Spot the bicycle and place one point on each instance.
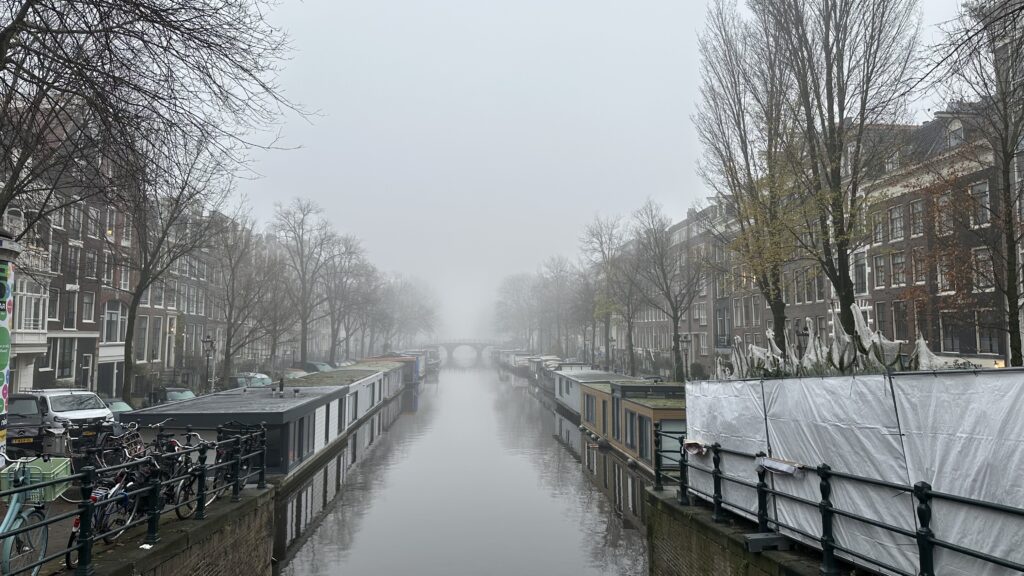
(20, 551)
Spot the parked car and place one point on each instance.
(171, 394)
(248, 380)
(292, 373)
(117, 407)
(30, 413)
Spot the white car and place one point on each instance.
(73, 406)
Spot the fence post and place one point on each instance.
(86, 512)
(658, 487)
(262, 482)
(925, 546)
(717, 514)
(236, 486)
(762, 496)
(828, 541)
(683, 493)
(201, 479)
(153, 526)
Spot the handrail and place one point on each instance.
(237, 447)
(921, 492)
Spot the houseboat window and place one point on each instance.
(615, 418)
(590, 409)
(630, 429)
(341, 415)
(604, 417)
(644, 438)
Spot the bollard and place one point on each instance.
(762, 496)
(717, 514)
(262, 482)
(86, 512)
(658, 487)
(683, 493)
(828, 541)
(236, 486)
(153, 526)
(925, 545)
(201, 480)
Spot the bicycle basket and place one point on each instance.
(38, 472)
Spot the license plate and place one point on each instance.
(88, 433)
(22, 440)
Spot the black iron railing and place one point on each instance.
(241, 460)
(922, 493)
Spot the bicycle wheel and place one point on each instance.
(217, 485)
(71, 556)
(120, 517)
(23, 550)
(184, 498)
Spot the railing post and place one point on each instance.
(925, 546)
(201, 480)
(161, 438)
(86, 512)
(717, 514)
(762, 496)
(153, 526)
(236, 486)
(683, 493)
(658, 487)
(828, 541)
(262, 482)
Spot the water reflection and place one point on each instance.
(475, 482)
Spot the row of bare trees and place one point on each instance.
(626, 265)
(804, 101)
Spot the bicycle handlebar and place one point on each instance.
(159, 424)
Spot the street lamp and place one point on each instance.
(208, 349)
(802, 334)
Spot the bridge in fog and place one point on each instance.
(450, 345)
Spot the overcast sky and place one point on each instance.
(464, 140)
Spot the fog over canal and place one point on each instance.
(472, 483)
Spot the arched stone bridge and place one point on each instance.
(449, 345)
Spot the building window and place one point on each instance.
(880, 272)
(55, 253)
(860, 273)
(94, 224)
(955, 133)
(57, 217)
(981, 208)
(944, 274)
(125, 278)
(877, 228)
(90, 264)
(115, 321)
(65, 355)
(53, 307)
(158, 294)
(944, 222)
(919, 265)
(737, 313)
(74, 221)
(126, 235)
(704, 344)
(917, 218)
(171, 294)
(141, 334)
(896, 223)
(702, 314)
(71, 312)
(892, 163)
(989, 332)
(899, 321)
(144, 297)
(74, 256)
(30, 305)
(984, 272)
(88, 306)
(644, 438)
(950, 332)
(898, 268)
(111, 224)
(108, 270)
(882, 318)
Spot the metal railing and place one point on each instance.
(922, 493)
(242, 460)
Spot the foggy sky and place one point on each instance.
(464, 140)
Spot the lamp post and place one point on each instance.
(208, 349)
(802, 334)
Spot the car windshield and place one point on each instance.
(23, 407)
(261, 380)
(119, 407)
(70, 402)
(180, 395)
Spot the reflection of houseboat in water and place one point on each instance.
(621, 483)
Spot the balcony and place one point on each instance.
(34, 257)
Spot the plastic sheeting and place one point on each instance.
(964, 435)
(848, 423)
(730, 413)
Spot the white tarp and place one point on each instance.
(964, 435)
(730, 413)
(850, 424)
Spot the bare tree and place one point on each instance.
(983, 79)
(170, 213)
(607, 244)
(306, 239)
(672, 273)
(277, 319)
(744, 124)
(76, 77)
(850, 63)
(341, 277)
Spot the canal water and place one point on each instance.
(474, 482)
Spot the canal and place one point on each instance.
(473, 482)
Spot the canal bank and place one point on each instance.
(474, 482)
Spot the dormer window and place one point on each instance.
(955, 133)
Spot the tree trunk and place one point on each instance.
(333, 355)
(778, 307)
(129, 350)
(845, 291)
(593, 341)
(1012, 280)
(273, 351)
(631, 349)
(226, 365)
(607, 341)
(303, 337)
(678, 369)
